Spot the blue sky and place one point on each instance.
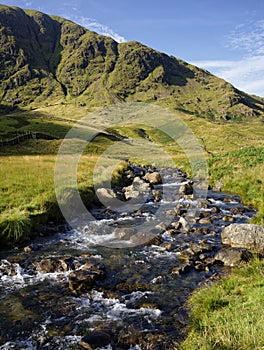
(225, 37)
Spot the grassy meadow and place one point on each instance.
(234, 152)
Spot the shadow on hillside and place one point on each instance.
(20, 122)
(35, 133)
(254, 102)
(176, 72)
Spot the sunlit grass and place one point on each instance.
(229, 314)
(27, 187)
(25, 178)
(242, 172)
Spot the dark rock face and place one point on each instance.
(246, 236)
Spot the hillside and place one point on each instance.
(46, 60)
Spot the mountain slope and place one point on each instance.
(46, 59)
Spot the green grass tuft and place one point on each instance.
(14, 224)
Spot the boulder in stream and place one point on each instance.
(146, 239)
(184, 224)
(105, 195)
(186, 188)
(83, 280)
(136, 189)
(233, 256)
(50, 265)
(8, 269)
(153, 178)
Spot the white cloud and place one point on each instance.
(246, 74)
(97, 27)
(248, 37)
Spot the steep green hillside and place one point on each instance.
(45, 60)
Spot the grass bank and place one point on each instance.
(27, 191)
(241, 172)
(229, 314)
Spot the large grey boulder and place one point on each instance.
(246, 236)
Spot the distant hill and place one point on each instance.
(46, 60)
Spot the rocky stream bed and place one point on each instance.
(70, 291)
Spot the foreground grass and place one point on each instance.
(229, 314)
(26, 181)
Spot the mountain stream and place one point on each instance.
(69, 291)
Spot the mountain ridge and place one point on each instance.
(46, 59)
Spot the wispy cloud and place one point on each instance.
(97, 27)
(28, 3)
(248, 37)
(89, 23)
(247, 74)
